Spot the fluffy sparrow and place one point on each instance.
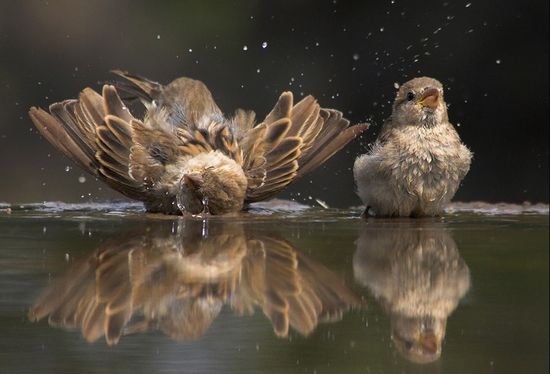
(416, 273)
(418, 161)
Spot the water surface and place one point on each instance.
(283, 289)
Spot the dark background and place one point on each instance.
(491, 56)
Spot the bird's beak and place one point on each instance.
(429, 98)
(428, 342)
(194, 181)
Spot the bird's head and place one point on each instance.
(212, 183)
(420, 102)
(418, 339)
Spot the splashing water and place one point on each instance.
(205, 209)
(204, 228)
(179, 201)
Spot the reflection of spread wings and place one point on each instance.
(178, 283)
(291, 289)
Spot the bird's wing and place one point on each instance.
(292, 290)
(327, 288)
(291, 141)
(299, 292)
(95, 296)
(95, 132)
(102, 137)
(268, 278)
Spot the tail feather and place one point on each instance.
(136, 87)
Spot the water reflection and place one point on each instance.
(414, 270)
(177, 279)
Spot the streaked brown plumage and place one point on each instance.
(418, 161)
(185, 155)
(178, 283)
(415, 271)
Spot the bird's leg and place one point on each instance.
(368, 212)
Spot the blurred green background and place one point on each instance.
(492, 59)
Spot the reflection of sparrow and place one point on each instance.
(417, 163)
(178, 283)
(418, 276)
(185, 155)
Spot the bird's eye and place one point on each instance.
(410, 96)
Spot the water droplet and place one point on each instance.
(245, 48)
(498, 61)
(468, 5)
(67, 169)
(158, 36)
(396, 85)
(264, 45)
(82, 179)
(356, 56)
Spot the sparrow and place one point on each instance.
(415, 271)
(184, 155)
(155, 279)
(417, 162)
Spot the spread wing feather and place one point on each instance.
(99, 133)
(291, 141)
(94, 131)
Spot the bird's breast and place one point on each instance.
(423, 160)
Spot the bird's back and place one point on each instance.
(189, 103)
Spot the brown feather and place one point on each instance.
(113, 105)
(243, 121)
(58, 135)
(281, 109)
(301, 114)
(64, 112)
(109, 144)
(318, 156)
(303, 317)
(135, 86)
(92, 106)
(303, 135)
(287, 147)
(121, 129)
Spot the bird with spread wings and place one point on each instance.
(185, 155)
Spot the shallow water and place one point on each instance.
(283, 289)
